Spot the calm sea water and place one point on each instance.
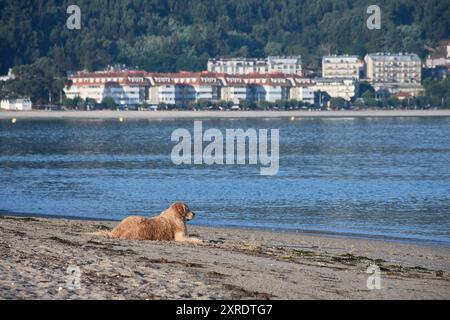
(369, 177)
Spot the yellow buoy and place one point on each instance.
(292, 118)
(121, 119)
(13, 120)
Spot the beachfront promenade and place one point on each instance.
(217, 114)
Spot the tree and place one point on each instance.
(359, 104)
(225, 105)
(109, 103)
(203, 104)
(263, 105)
(371, 102)
(438, 92)
(281, 105)
(337, 103)
(39, 81)
(90, 103)
(78, 102)
(366, 89)
(247, 105)
(163, 106)
(69, 103)
(394, 102)
(273, 49)
(368, 95)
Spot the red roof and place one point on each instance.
(184, 78)
(403, 94)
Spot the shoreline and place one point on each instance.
(301, 232)
(230, 264)
(161, 115)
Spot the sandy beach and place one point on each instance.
(231, 264)
(62, 115)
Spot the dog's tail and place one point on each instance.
(102, 233)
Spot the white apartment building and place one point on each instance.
(341, 67)
(302, 90)
(131, 88)
(276, 90)
(238, 66)
(235, 89)
(16, 104)
(393, 68)
(268, 87)
(246, 66)
(167, 93)
(337, 88)
(182, 88)
(255, 87)
(434, 62)
(439, 59)
(127, 88)
(285, 64)
(411, 89)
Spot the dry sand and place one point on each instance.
(232, 264)
(6, 115)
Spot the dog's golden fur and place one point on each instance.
(170, 225)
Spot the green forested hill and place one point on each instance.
(182, 34)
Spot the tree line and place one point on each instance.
(170, 35)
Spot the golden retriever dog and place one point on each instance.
(170, 225)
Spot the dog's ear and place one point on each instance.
(180, 208)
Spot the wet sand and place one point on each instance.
(67, 115)
(232, 264)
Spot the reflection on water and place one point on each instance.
(387, 177)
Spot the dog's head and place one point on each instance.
(183, 211)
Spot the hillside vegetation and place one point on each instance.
(169, 35)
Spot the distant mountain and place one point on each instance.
(169, 35)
